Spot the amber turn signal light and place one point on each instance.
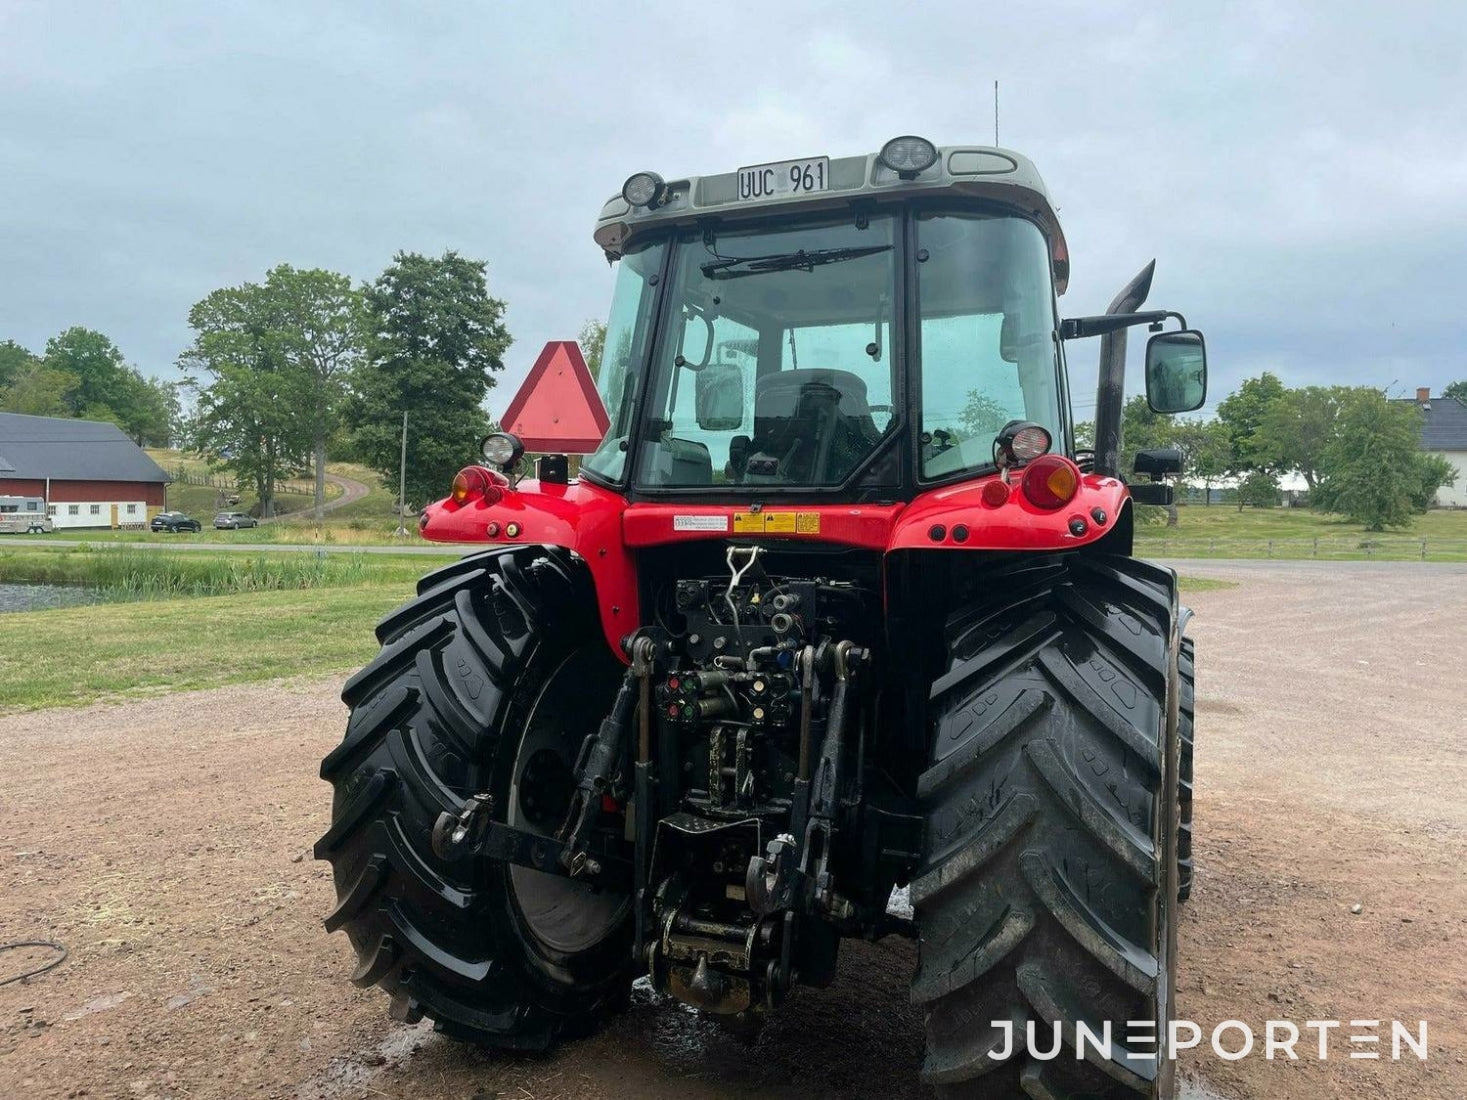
(474, 481)
(1051, 481)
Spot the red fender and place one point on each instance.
(936, 520)
(579, 516)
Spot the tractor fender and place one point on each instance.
(956, 517)
(579, 516)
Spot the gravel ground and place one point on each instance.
(166, 843)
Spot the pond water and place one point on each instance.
(44, 597)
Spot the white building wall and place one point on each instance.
(97, 513)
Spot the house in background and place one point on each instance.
(89, 473)
(1444, 432)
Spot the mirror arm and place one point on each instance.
(1074, 328)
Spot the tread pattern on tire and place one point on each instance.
(1039, 894)
(1186, 711)
(424, 729)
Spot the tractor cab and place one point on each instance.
(854, 328)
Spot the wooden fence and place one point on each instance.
(1360, 547)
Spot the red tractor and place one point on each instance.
(836, 607)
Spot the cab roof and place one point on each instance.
(971, 171)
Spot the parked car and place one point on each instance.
(233, 521)
(174, 522)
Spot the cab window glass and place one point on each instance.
(988, 352)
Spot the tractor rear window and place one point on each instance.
(987, 337)
(777, 367)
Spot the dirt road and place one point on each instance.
(166, 842)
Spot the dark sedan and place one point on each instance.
(175, 522)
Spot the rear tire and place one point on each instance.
(1186, 683)
(499, 651)
(1045, 894)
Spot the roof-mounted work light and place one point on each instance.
(908, 156)
(643, 189)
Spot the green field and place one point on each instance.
(83, 654)
(161, 628)
(1221, 531)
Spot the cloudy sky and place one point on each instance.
(1298, 170)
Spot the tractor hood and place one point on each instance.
(963, 171)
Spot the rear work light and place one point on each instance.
(1051, 481)
(475, 481)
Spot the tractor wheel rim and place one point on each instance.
(563, 915)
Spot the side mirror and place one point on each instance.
(1176, 371)
(719, 397)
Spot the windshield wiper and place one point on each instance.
(738, 267)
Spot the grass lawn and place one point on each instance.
(283, 615)
(1222, 531)
(109, 651)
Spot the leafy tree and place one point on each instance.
(1457, 390)
(1206, 452)
(436, 340)
(1242, 413)
(1296, 427)
(1373, 468)
(107, 388)
(14, 359)
(982, 416)
(1434, 472)
(1259, 488)
(252, 413)
(593, 343)
(39, 390)
(317, 330)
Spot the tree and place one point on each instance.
(1433, 472)
(1372, 468)
(14, 359)
(1242, 413)
(1457, 390)
(39, 390)
(1295, 429)
(436, 340)
(252, 415)
(593, 343)
(1206, 452)
(317, 331)
(1259, 488)
(107, 388)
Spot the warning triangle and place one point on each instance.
(557, 409)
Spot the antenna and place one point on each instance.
(995, 112)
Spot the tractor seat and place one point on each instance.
(811, 427)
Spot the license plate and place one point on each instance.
(785, 177)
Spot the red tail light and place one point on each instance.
(475, 481)
(1051, 481)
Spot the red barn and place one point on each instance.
(89, 473)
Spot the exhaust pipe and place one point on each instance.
(1110, 390)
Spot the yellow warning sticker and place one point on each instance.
(776, 523)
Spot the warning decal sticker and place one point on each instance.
(776, 523)
(700, 523)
